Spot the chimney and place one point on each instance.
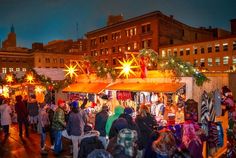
(233, 26)
(112, 19)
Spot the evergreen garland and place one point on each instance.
(171, 63)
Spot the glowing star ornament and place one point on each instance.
(39, 89)
(71, 70)
(30, 78)
(9, 78)
(126, 67)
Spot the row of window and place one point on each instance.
(117, 35)
(54, 60)
(201, 62)
(128, 47)
(5, 70)
(114, 61)
(12, 60)
(195, 50)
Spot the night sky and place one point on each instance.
(46, 20)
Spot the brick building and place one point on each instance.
(65, 46)
(11, 61)
(150, 30)
(53, 55)
(42, 59)
(218, 54)
(212, 55)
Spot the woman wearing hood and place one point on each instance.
(118, 111)
(5, 112)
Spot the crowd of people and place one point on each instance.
(122, 134)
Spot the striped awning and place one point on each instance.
(147, 87)
(86, 87)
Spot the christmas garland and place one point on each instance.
(41, 79)
(178, 67)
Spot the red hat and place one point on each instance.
(60, 101)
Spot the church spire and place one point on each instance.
(12, 29)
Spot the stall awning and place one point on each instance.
(147, 87)
(86, 87)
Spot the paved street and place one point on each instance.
(15, 147)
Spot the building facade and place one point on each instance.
(65, 46)
(13, 61)
(211, 55)
(42, 59)
(151, 30)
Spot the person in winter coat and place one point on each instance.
(118, 111)
(75, 127)
(50, 112)
(128, 115)
(149, 152)
(165, 145)
(191, 141)
(22, 115)
(44, 124)
(58, 125)
(100, 124)
(89, 141)
(5, 113)
(146, 123)
(33, 109)
(117, 125)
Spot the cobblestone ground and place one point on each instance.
(15, 147)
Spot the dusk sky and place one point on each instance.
(46, 20)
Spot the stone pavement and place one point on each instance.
(15, 147)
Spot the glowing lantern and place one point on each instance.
(71, 70)
(126, 67)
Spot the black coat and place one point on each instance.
(146, 126)
(100, 122)
(88, 145)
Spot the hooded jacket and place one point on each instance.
(118, 111)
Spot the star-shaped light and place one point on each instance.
(71, 70)
(9, 78)
(127, 67)
(30, 78)
(39, 89)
